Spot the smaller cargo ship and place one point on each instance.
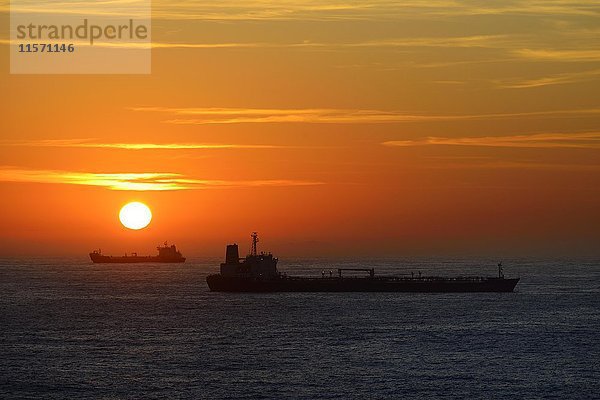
(166, 254)
(257, 272)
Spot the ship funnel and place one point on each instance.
(232, 256)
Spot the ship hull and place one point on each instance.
(219, 283)
(101, 259)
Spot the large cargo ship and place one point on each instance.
(166, 254)
(257, 272)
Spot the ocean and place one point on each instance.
(70, 329)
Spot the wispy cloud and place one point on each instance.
(439, 41)
(589, 140)
(498, 41)
(363, 9)
(567, 55)
(252, 10)
(91, 143)
(367, 9)
(487, 41)
(557, 79)
(522, 165)
(160, 45)
(105, 8)
(151, 181)
(201, 116)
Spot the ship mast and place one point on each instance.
(253, 250)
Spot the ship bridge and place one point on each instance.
(255, 264)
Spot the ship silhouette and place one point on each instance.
(166, 254)
(257, 272)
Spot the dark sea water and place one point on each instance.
(73, 330)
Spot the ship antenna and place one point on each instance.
(254, 251)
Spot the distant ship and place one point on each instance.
(166, 254)
(258, 273)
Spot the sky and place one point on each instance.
(358, 128)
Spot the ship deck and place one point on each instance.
(221, 283)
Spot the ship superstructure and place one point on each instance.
(258, 273)
(255, 265)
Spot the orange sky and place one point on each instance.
(356, 128)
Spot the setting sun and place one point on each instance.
(135, 215)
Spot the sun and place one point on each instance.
(135, 215)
